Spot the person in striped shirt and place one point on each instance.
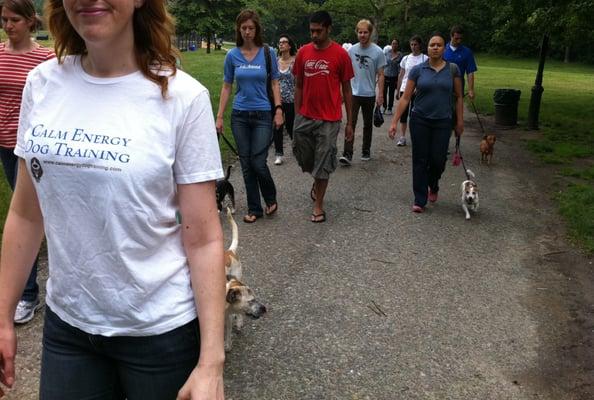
(19, 54)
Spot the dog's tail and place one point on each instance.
(470, 173)
(228, 174)
(234, 230)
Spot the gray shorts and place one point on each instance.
(314, 145)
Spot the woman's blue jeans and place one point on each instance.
(78, 366)
(252, 131)
(10, 163)
(430, 139)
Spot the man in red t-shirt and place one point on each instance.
(323, 72)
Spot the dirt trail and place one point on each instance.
(499, 307)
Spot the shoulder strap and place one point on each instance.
(268, 60)
(453, 69)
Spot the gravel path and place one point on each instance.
(380, 303)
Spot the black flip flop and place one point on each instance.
(317, 221)
(274, 207)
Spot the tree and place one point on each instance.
(287, 16)
(207, 17)
(377, 11)
(568, 22)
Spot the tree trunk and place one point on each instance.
(567, 51)
(406, 10)
(376, 31)
(208, 43)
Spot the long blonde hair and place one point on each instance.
(153, 29)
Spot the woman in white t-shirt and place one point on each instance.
(416, 57)
(113, 142)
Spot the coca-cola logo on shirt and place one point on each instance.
(316, 67)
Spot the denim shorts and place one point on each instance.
(76, 365)
(314, 145)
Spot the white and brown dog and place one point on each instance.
(470, 196)
(240, 299)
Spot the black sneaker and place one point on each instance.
(365, 157)
(345, 160)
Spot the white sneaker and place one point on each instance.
(345, 161)
(25, 311)
(278, 160)
(401, 141)
(388, 112)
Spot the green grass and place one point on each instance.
(566, 118)
(586, 173)
(575, 204)
(566, 138)
(208, 69)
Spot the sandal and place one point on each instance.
(312, 193)
(271, 209)
(321, 216)
(250, 218)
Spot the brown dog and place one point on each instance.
(487, 147)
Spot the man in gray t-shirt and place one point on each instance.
(368, 64)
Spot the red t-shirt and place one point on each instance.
(322, 72)
(13, 74)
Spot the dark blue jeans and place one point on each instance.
(252, 131)
(430, 138)
(10, 163)
(78, 366)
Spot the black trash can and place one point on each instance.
(506, 106)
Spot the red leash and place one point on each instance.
(459, 159)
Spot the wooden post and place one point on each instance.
(537, 89)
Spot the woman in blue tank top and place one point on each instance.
(254, 112)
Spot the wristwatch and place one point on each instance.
(277, 107)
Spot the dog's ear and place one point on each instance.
(232, 295)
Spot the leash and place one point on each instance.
(477, 116)
(233, 149)
(459, 156)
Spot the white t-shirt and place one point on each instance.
(105, 155)
(407, 63)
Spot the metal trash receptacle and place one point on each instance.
(506, 106)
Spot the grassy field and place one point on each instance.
(566, 137)
(208, 69)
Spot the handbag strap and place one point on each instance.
(268, 60)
